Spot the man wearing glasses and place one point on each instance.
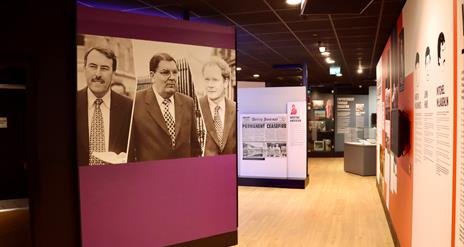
(163, 124)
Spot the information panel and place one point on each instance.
(459, 211)
(263, 147)
(264, 136)
(297, 138)
(429, 56)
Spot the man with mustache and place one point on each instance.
(164, 125)
(103, 116)
(219, 113)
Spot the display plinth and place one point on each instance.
(279, 183)
(360, 158)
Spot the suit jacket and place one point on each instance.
(229, 133)
(120, 116)
(150, 138)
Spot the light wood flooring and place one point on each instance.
(336, 209)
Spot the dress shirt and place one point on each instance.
(171, 108)
(105, 109)
(222, 109)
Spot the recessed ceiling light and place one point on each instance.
(339, 75)
(360, 86)
(321, 49)
(293, 2)
(360, 69)
(325, 53)
(238, 68)
(329, 60)
(256, 75)
(333, 91)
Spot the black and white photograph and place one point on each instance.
(185, 103)
(254, 151)
(105, 92)
(276, 150)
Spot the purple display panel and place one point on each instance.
(126, 25)
(158, 203)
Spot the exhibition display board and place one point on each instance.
(272, 140)
(351, 112)
(420, 77)
(458, 199)
(156, 130)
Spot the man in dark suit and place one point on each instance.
(164, 126)
(103, 116)
(219, 113)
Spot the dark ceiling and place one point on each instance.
(271, 32)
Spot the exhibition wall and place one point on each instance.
(157, 149)
(352, 112)
(417, 78)
(271, 136)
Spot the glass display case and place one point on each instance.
(361, 135)
(321, 124)
(360, 151)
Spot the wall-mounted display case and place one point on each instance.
(321, 124)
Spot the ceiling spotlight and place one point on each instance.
(256, 75)
(321, 47)
(329, 60)
(293, 2)
(333, 91)
(339, 75)
(360, 86)
(325, 53)
(360, 70)
(238, 68)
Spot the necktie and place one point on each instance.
(218, 124)
(169, 122)
(97, 134)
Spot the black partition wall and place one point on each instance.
(43, 40)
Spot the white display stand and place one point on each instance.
(262, 167)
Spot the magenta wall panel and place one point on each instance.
(156, 203)
(163, 202)
(119, 24)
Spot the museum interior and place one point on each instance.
(232, 123)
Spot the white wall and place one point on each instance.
(272, 100)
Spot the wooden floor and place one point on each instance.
(14, 228)
(336, 209)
